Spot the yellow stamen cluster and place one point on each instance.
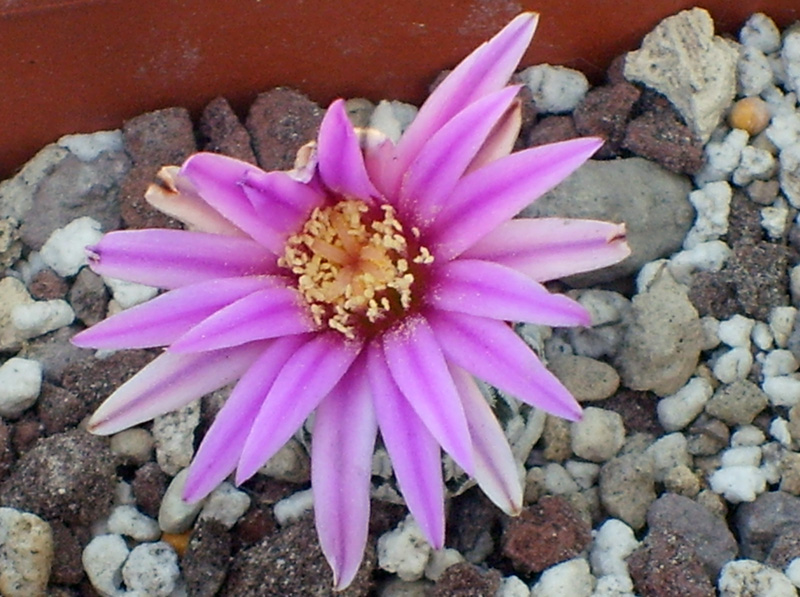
(351, 266)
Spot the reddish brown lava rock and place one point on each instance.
(47, 285)
(637, 409)
(224, 133)
(149, 485)
(663, 138)
(59, 409)
(467, 580)
(552, 129)
(205, 562)
(88, 297)
(290, 562)
(667, 566)
(6, 453)
(546, 533)
(257, 523)
(67, 567)
(280, 122)
(152, 140)
(605, 112)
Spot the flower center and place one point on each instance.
(355, 267)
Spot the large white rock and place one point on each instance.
(683, 59)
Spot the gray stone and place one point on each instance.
(696, 70)
(653, 203)
(663, 339)
(627, 488)
(587, 379)
(16, 194)
(762, 521)
(708, 534)
(737, 403)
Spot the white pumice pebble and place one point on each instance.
(779, 362)
(678, 410)
(747, 435)
(65, 250)
(513, 586)
(614, 585)
(152, 569)
(760, 32)
(441, 560)
(736, 331)
(40, 317)
(558, 481)
(794, 283)
(293, 507)
(790, 57)
(755, 164)
(722, 158)
(742, 456)
(712, 204)
(404, 550)
(102, 560)
(749, 577)
(761, 335)
(738, 483)
(709, 256)
(733, 364)
(782, 390)
(567, 578)
(555, 89)
(783, 131)
(781, 322)
(584, 473)
(391, 118)
(779, 430)
(710, 332)
(129, 294)
(793, 572)
(226, 505)
(20, 384)
(127, 520)
(775, 219)
(754, 71)
(613, 542)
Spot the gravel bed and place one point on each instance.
(683, 478)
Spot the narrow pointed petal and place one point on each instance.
(307, 377)
(501, 140)
(222, 445)
(174, 258)
(420, 371)
(170, 382)
(499, 292)
(485, 70)
(488, 197)
(341, 163)
(495, 469)
(219, 180)
(491, 351)
(164, 319)
(281, 200)
(267, 313)
(415, 454)
(551, 248)
(341, 470)
(175, 197)
(443, 159)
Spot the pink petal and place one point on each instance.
(341, 470)
(486, 69)
(378, 152)
(341, 163)
(501, 140)
(170, 382)
(488, 197)
(415, 454)
(495, 468)
(165, 318)
(550, 248)
(491, 351)
(420, 371)
(267, 313)
(175, 258)
(499, 292)
(443, 159)
(222, 445)
(219, 180)
(307, 377)
(176, 197)
(280, 200)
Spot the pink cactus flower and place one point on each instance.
(367, 286)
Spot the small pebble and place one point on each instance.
(782, 390)
(749, 577)
(133, 445)
(226, 505)
(128, 521)
(152, 569)
(555, 89)
(751, 114)
(293, 507)
(128, 294)
(39, 317)
(568, 578)
(440, 561)
(102, 560)
(26, 553)
(761, 32)
(738, 483)
(173, 433)
(735, 332)
(613, 542)
(742, 456)
(20, 384)
(65, 250)
(599, 435)
(733, 365)
(781, 321)
(404, 550)
(176, 515)
(512, 586)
